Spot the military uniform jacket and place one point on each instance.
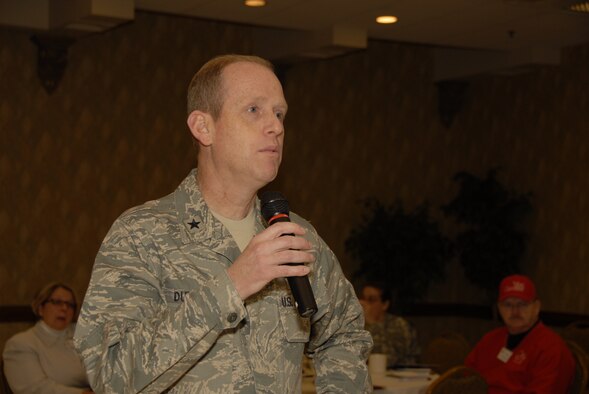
(396, 338)
(162, 315)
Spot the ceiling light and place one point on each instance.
(255, 3)
(386, 19)
(582, 6)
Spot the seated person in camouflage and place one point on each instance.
(188, 294)
(392, 335)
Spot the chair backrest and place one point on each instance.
(445, 351)
(459, 380)
(578, 332)
(579, 383)
(4, 387)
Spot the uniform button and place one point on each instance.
(232, 317)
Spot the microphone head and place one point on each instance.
(273, 203)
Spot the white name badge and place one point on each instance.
(504, 354)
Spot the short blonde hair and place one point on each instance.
(45, 293)
(205, 92)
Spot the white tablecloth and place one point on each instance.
(390, 384)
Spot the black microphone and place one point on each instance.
(275, 210)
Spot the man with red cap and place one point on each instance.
(524, 356)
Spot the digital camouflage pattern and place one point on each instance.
(396, 338)
(161, 314)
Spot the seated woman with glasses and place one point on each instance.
(42, 359)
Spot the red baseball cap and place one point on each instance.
(518, 286)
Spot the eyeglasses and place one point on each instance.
(60, 303)
(514, 305)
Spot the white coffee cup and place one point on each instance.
(377, 364)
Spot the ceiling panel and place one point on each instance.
(457, 23)
(485, 25)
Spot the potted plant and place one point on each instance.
(403, 249)
(491, 243)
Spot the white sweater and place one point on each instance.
(43, 360)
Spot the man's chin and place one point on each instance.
(516, 329)
(269, 175)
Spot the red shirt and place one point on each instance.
(540, 363)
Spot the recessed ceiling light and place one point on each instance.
(580, 7)
(386, 19)
(255, 3)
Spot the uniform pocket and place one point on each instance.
(296, 328)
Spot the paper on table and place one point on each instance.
(410, 373)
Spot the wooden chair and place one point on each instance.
(445, 351)
(581, 377)
(458, 380)
(578, 332)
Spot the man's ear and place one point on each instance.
(200, 124)
(538, 305)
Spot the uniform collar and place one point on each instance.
(197, 220)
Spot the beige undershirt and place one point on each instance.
(242, 230)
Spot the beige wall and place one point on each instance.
(113, 135)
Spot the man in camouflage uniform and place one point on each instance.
(188, 293)
(392, 335)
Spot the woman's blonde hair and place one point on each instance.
(45, 293)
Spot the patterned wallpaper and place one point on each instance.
(113, 135)
(367, 125)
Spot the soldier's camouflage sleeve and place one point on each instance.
(131, 334)
(339, 345)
